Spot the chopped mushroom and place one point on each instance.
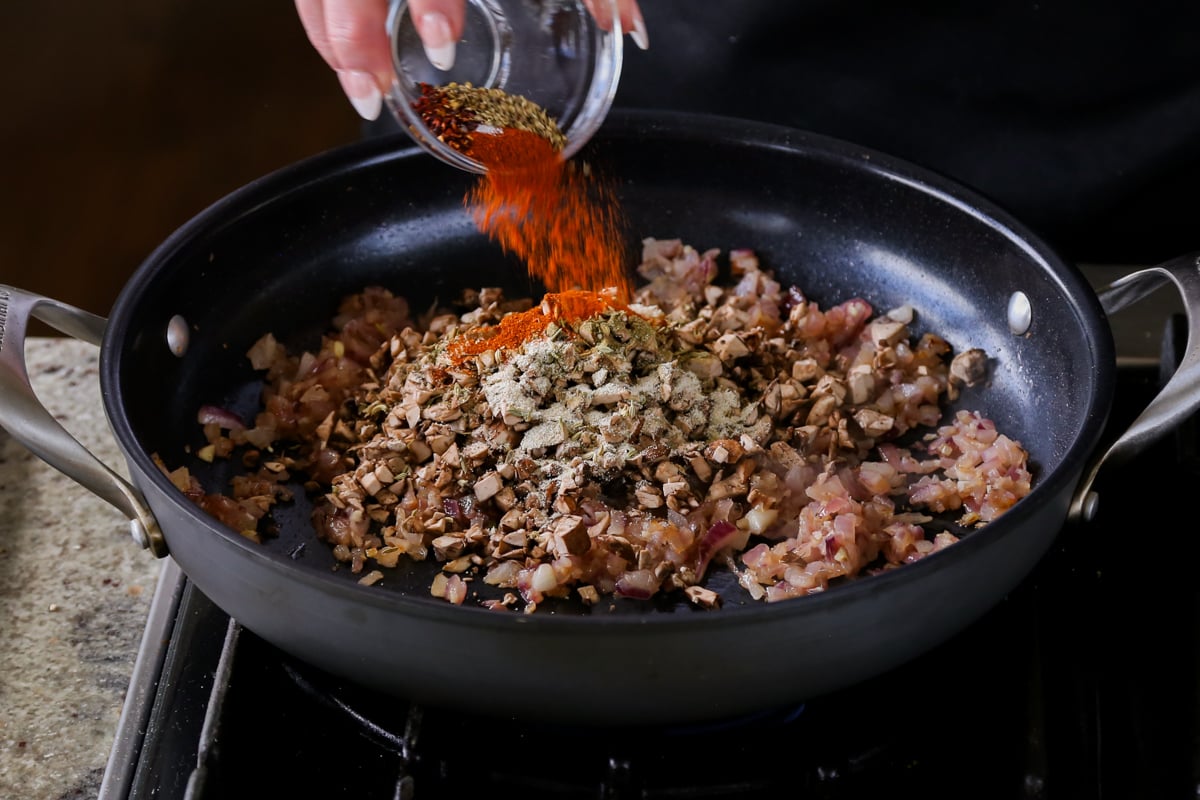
(969, 367)
(705, 598)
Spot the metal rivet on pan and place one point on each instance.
(1020, 313)
(177, 335)
(1091, 504)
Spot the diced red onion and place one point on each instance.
(456, 590)
(223, 417)
(719, 536)
(794, 297)
(639, 584)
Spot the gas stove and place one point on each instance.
(1067, 688)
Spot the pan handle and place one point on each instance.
(1178, 400)
(23, 415)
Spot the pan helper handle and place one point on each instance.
(28, 421)
(1178, 400)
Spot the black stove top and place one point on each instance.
(1083, 682)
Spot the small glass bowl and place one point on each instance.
(550, 51)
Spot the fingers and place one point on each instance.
(439, 23)
(631, 21)
(630, 15)
(351, 36)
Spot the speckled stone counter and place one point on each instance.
(75, 592)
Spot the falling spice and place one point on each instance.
(561, 219)
(567, 308)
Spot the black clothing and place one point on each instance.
(1080, 118)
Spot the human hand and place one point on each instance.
(351, 35)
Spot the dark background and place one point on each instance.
(122, 120)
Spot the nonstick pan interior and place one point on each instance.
(835, 219)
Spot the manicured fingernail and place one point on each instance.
(438, 41)
(638, 34)
(363, 92)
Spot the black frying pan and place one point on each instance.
(836, 219)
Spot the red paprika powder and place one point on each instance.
(562, 221)
(514, 329)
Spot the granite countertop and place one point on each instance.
(75, 592)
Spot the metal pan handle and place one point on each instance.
(23, 415)
(1178, 400)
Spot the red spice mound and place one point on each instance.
(570, 307)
